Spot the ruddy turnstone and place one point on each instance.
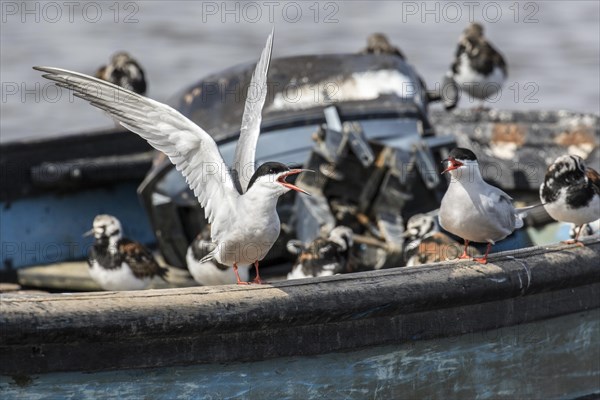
(425, 243)
(420, 226)
(117, 263)
(211, 272)
(124, 71)
(378, 43)
(478, 69)
(322, 257)
(240, 207)
(571, 192)
(471, 208)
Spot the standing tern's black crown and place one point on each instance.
(268, 168)
(460, 153)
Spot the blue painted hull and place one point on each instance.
(48, 229)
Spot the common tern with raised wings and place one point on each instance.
(240, 207)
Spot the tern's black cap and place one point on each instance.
(268, 168)
(460, 153)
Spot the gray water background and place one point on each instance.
(552, 47)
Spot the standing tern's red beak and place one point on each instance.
(288, 185)
(452, 164)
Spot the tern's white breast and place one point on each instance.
(250, 231)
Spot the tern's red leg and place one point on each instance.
(237, 275)
(576, 240)
(464, 254)
(483, 260)
(257, 279)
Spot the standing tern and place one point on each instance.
(117, 263)
(471, 208)
(571, 192)
(240, 208)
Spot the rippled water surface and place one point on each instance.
(552, 47)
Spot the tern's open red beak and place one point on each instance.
(452, 164)
(288, 185)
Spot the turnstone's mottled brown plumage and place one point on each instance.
(322, 257)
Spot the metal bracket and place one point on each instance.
(426, 166)
(358, 143)
(341, 136)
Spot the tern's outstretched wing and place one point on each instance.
(243, 163)
(189, 147)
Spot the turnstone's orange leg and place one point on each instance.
(464, 254)
(237, 275)
(576, 240)
(483, 260)
(257, 279)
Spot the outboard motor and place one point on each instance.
(369, 187)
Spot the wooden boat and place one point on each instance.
(524, 326)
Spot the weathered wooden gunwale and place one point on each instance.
(155, 328)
